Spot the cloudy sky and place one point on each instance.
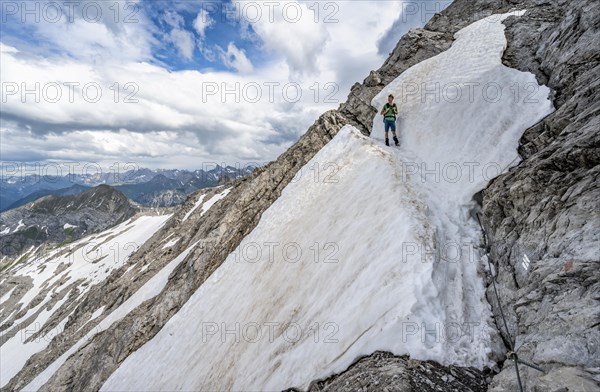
(177, 84)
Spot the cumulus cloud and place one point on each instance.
(287, 28)
(105, 148)
(202, 22)
(184, 42)
(160, 117)
(182, 39)
(85, 30)
(236, 58)
(132, 99)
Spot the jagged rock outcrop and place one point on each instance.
(414, 47)
(382, 371)
(543, 217)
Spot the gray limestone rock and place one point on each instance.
(543, 217)
(383, 371)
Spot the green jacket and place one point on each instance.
(390, 111)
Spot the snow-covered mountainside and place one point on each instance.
(343, 247)
(45, 287)
(403, 248)
(334, 285)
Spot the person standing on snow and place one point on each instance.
(389, 112)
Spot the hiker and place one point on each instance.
(389, 112)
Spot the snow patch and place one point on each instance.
(171, 243)
(213, 200)
(206, 206)
(18, 349)
(6, 296)
(21, 224)
(198, 204)
(97, 313)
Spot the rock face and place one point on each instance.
(543, 217)
(545, 208)
(383, 371)
(59, 219)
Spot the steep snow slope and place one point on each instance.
(325, 258)
(461, 116)
(66, 273)
(462, 112)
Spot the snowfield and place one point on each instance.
(379, 254)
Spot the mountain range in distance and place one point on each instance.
(148, 187)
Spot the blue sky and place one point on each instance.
(218, 33)
(171, 25)
(175, 84)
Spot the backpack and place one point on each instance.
(387, 108)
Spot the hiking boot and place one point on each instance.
(396, 141)
(387, 142)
